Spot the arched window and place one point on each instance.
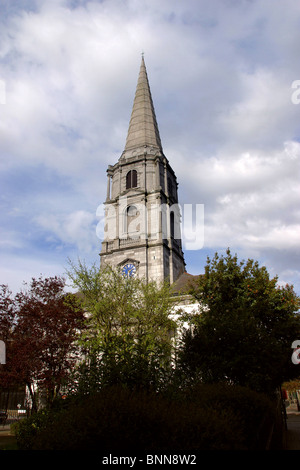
(131, 211)
(172, 224)
(131, 222)
(131, 179)
(170, 187)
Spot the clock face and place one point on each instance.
(129, 270)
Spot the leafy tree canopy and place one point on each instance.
(40, 325)
(245, 327)
(128, 327)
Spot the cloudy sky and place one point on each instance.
(221, 75)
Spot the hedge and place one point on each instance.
(117, 419)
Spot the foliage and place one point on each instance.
(7, 313)
(128, 328)
(41, 343)
(292, 385)
(255, 411)
(117, 419)
(245, 327)
(26, 430)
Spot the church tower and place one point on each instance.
(142, 230)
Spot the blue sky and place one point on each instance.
(220, 73)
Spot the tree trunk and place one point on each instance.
(33, 396)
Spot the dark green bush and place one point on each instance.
(27, 429)
(255, 411)
(117, 419)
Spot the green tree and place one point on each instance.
(128, 335)
(245, 327)
(7, 313)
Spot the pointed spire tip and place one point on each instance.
(143, 128)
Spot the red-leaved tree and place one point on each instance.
(42, 346)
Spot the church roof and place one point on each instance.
(143, 128)
(185, 283)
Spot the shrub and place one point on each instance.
(27, 429)
(117, 419)
(255, 411)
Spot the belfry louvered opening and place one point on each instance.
(131, 179)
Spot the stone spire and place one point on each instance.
(143, 129)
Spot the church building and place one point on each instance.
(142, 229)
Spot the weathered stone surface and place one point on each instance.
(143, 128)
(139, 225)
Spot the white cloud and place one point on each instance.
(77, 228)
(220, 74)
(257, 198)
